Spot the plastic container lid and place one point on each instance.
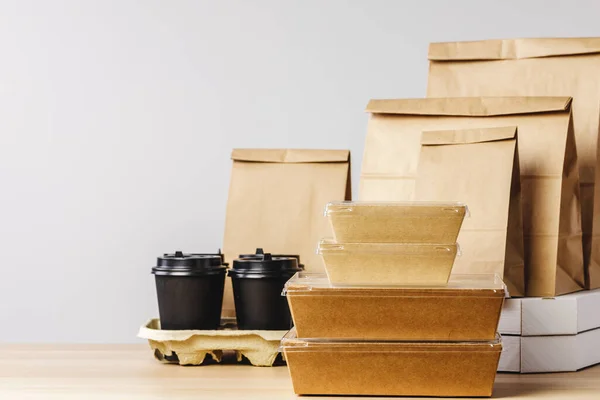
(263, 265)
(303, 283)
(348, 207)
(182, 264)
(293, 343)
(330, 245)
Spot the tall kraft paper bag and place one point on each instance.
(276, 201)
(548, 167)
(536, 67)
(479, 167)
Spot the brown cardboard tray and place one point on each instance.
(467, 309)
(447, 369)
(376, 264)
(190, 347)
(395, 222)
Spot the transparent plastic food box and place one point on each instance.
(395, 222)
(391, 368)
(375, 264)
(467, 309)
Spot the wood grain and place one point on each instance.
(130, 372)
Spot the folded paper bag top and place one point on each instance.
(469, 106)
(513, 49)
(290, 155)
(547, 163)
(468, 136)
(544, 122)
(536, 67)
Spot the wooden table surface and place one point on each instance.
(130, 372)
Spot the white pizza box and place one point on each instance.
(559, 353)
(562, 315)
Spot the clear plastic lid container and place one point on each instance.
(307, 282)
(331, 246)
(377, 264)
(291, 342)
(433, 207)
(396, 222)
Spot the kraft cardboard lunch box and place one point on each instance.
(467, 309)
(395, 222)
(380, 264)
(391, 368)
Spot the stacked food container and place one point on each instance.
(388, 319)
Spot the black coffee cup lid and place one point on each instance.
(261, 264)
(218, 253)
(184, 264)
(260, 252)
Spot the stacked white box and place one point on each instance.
(551, 334)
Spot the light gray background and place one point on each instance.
(117, 119)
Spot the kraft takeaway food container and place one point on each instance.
(395, 222)
(466, 309)
(391, 368)
(376, 264)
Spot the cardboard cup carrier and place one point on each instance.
(190, 295)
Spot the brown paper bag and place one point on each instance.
(479, 167)
(536, 67)
(548, 166)
(276, 201)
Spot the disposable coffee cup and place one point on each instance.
(258, 281)
(189, 288)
